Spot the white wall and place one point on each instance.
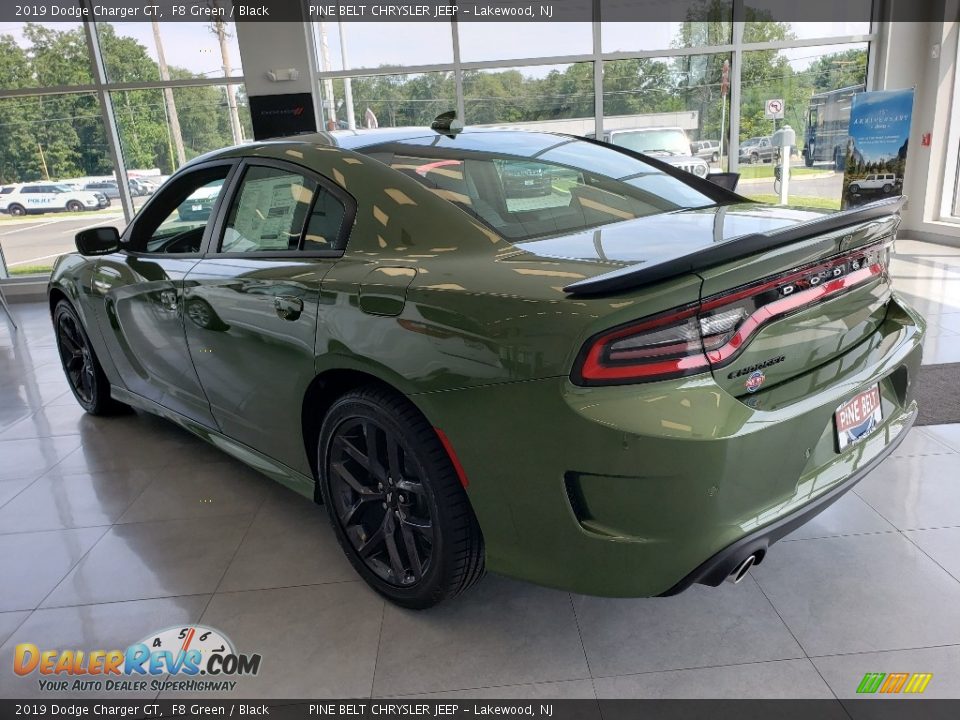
(273, 45)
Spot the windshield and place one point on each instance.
(751, 141)
(527, 185)
(651, 141)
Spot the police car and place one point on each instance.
(38, 197)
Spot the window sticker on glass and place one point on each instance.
(270, 212)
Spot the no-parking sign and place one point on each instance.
(774, 109)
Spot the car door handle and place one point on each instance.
(288, 307)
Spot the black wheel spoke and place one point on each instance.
(408, 486)
(340, 470)
(349, 515)
(372, 543)
(423, 527)
(371, 433)
(393, 459)
(69, 344)
(354, 453)
(410, 542)
(390, 536)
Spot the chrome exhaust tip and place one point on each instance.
(741, 570)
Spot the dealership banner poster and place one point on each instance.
(876, 153)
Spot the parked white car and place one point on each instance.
(42, 197)
(884, 182)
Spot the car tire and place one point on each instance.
(715, 157)
(17, 210)
(74, 206)
(84, 373)
(854, 188)
(887, 189)
(754, 158)
(395, 501)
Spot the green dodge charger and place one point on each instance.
(623, 382)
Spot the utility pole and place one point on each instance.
(43, 161)
(220, 28)
(171, 106)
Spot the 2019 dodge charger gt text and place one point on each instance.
(634, 382)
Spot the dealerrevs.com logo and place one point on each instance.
(195, 657)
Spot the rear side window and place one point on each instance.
(6, 190)
(277, 210)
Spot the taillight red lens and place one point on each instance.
(696, 337)
(656, 348)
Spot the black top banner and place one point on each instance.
(489, 11)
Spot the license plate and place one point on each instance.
(858, 417)
(196, 208)
(529, 182)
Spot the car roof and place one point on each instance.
(647, 129)
(501, 139)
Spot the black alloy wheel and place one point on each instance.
(84, 374)
(74, 206)
(17, 210)
(396, 503)
(378, 493)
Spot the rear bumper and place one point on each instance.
(641, 490)
(719, 567)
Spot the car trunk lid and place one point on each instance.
(782, 290)
(800, 305)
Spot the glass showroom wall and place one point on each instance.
(174, 91)
(694, 93)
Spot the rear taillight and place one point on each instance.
(696, 337)
(656, 348)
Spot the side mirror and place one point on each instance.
(98, 241)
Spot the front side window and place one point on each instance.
(174, 222)
(560, 185)
(278, 210)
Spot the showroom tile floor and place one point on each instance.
(107, 533)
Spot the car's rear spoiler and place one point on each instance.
(635, 276)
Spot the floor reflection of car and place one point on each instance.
(669, 144)
(200, 203)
